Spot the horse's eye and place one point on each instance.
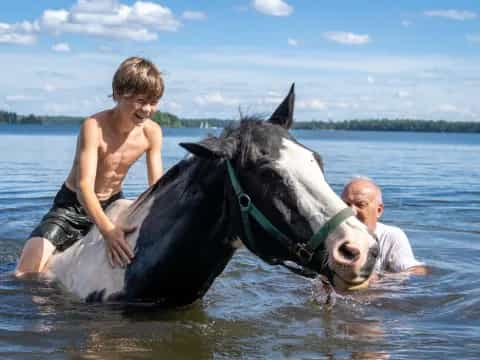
(268, 174)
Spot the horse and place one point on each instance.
(253, 183)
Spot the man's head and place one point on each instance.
(137, 76)
(365, 198)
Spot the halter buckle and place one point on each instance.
(244, 201)
(304, 253)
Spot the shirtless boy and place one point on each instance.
(109, 142)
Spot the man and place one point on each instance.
(396, 255)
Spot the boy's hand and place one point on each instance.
(119, 252)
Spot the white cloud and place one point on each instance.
(242, 77)
(61, 47)
(20, 98)
(170, 106)
(313, 104)
(270, 99)
(19, 39)
(274, 93)
(403, 94)
(4, 106)
(344, 105)
(49, 87)
(273, 7)
(452, 14)
(153, 14)
(23, 33)
(54, 18)
(194, 15)
(370, 79)
(292, 42)
(95, 6)
(109, 18)
(346, 38)
(448, 108)
(371, 64)
(58, 108)
(215, 98)
(474, 38)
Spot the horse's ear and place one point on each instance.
(283, 115)
(211, 147)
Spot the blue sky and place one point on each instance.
(349, 59)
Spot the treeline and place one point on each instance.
(13, 118)
(166, 119)
(170, 120)
(393, 125)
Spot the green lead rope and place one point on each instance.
(304, 252)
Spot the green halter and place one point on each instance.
(304, 252)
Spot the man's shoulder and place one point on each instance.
(383, 231)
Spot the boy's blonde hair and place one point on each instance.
(136, 75)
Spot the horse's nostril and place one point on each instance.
(349, 251)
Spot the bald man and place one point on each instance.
(396, 255)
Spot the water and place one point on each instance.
(431, 190)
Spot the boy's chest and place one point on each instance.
(121, 153)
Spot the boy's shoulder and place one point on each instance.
(151, 125)
(152, 130)
(98, 120)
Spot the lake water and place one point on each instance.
(431, 185)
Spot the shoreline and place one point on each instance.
(306, 128)
(168, 120)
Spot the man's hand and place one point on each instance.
(119, 252)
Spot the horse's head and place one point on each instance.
(284, 208)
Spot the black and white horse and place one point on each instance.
(254, 183)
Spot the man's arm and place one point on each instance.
(418, 270)
(118, 250)
(154, 153)
(401, 257)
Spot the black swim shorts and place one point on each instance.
(66, 222)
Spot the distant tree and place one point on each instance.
(8, 117)
(166, 119)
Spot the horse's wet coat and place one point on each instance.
(186, 223)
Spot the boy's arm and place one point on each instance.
(154, 155)
(118, 250)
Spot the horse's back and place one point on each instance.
(84, 268)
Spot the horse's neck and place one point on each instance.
(181, 245)
(189, 181)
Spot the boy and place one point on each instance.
(109, 142)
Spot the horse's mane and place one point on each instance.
(240, 138)
(249, 133)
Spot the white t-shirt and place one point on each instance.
(395, 253)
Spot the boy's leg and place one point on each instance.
(35, 255)
(38, 250)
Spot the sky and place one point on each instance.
(348, 59)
